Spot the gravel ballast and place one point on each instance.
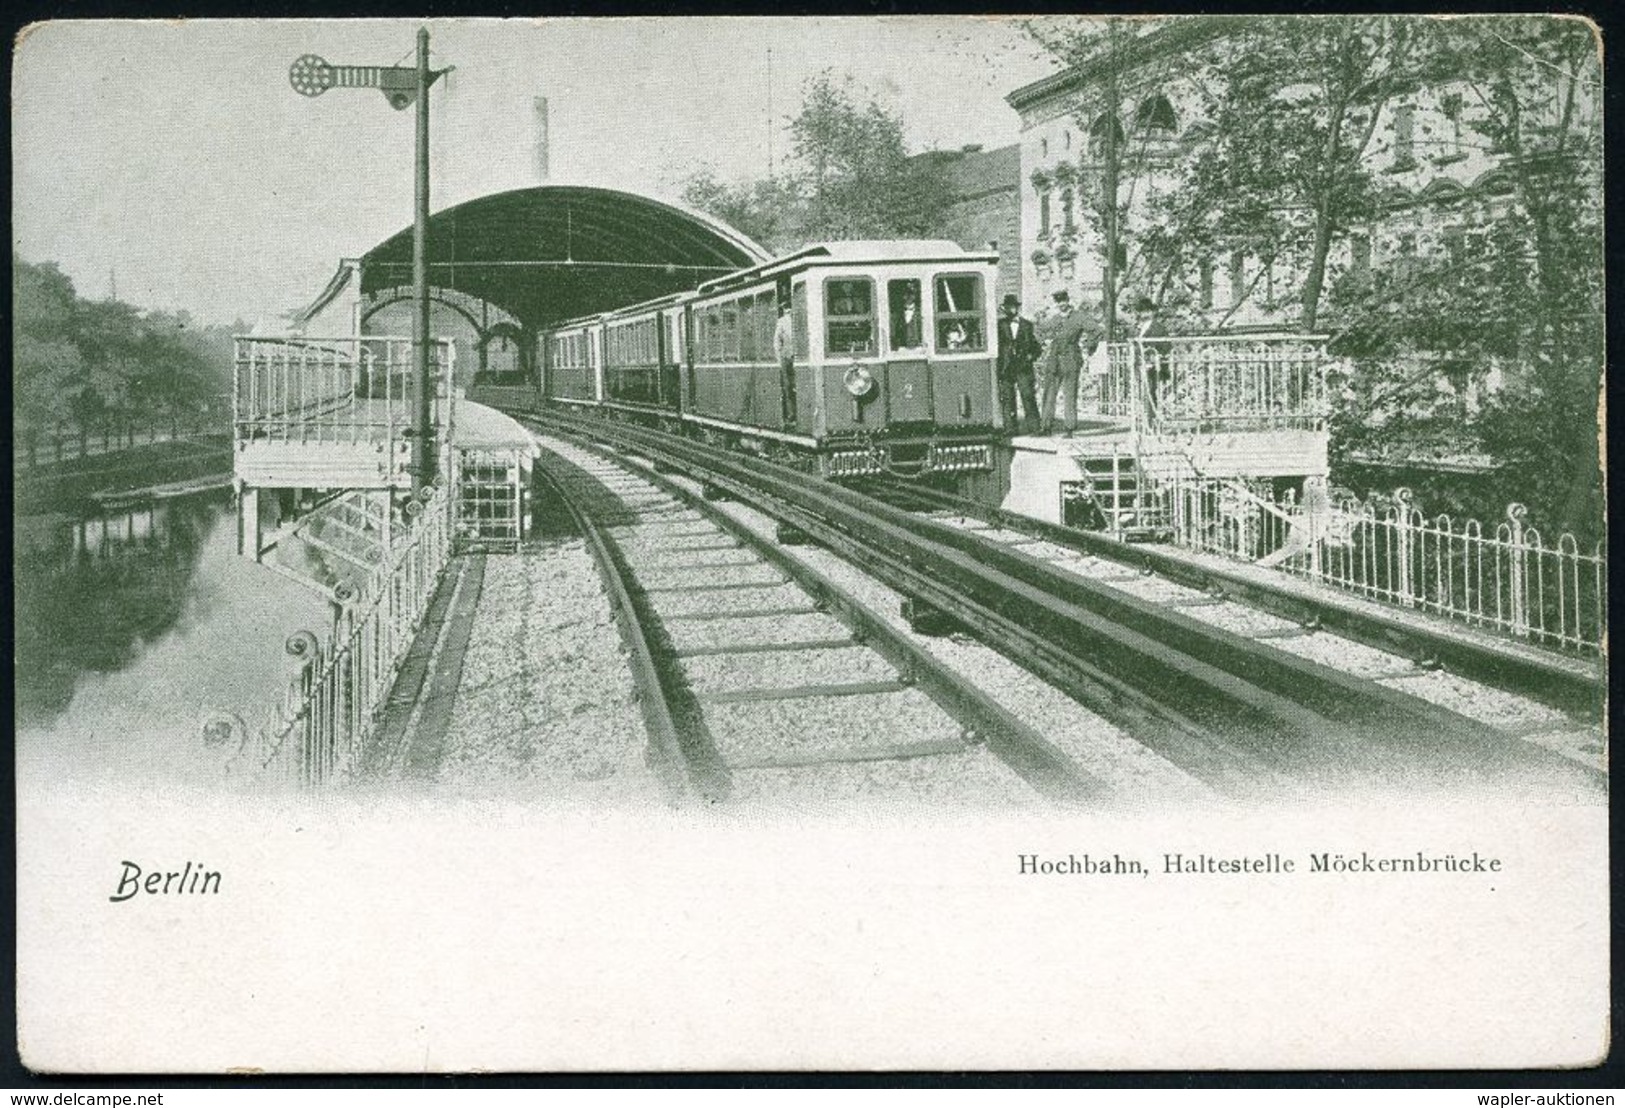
(786, 669)
(874, 725)
(545, 708)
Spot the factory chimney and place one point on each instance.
(541, 139)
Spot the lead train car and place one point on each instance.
(890, 368)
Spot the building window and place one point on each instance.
(1360, 252)
(1103, 127)
(1455, 244)
(1238, 277)
(1155, 113)
(1450, 108)
(1067, 225)
(1066, 140)
(1404, 137)
(1043, 147)
(1043, 216)
(1406, 262)
(1204, 276)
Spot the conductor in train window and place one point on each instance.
(784, 351)
(907, 331)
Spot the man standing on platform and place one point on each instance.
(1071, 333)
(1018, 351)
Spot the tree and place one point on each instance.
(105, 365)
(766, 210)
(851, 177)
(1292, 157)
(1538, 83)
(1280, 165)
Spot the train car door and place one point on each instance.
(544, 366)
(906, 378)
(595, 363)
(808, 394)
(665, 367)
(683, 321)
(850, 366)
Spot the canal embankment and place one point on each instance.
(146, 469)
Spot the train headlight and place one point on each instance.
(859, 381)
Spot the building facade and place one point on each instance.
(984, 209)
(1442, 185)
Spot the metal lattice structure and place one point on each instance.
(492, 499)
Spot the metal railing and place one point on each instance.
(341, 390)
(1506, 578)
(332, 705)
(1214, 383)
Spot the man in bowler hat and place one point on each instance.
(1018, 351)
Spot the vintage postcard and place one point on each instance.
(917, 543)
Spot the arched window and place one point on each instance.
(1066, 140)
(1098, 131)
(1043, 147)
(1156, 114)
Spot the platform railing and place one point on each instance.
(1214, 383)
(333, 390)
(1506, 578)
(333, 705)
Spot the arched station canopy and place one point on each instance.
(555, 252)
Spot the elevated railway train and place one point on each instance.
(847, 359)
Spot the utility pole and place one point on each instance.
(424, 450)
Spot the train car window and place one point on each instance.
(907, 314)
(728, 326)
(850, 316)
(798, 320)
(959, 313)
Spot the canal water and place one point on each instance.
(134, 629)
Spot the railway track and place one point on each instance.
(1571, 686)
(1231, 710)
(758, 678)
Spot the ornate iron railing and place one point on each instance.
(1507, 578)
(344, 390)
(333, 704)
(1213, 383)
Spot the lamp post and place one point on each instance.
(311, 75)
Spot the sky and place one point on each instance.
(175, 159)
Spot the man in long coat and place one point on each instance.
(1018, 351)
(1072, 335)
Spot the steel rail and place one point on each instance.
(1035, 759)
(1572, 687)
(1032, 757)
(1235, 700)
(675, 753)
